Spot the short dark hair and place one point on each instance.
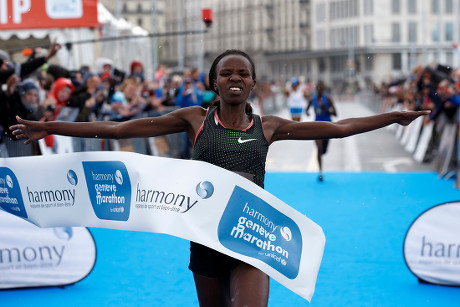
(212, 70)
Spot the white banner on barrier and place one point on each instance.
(193, 200)
(432, 245)
(38, 257)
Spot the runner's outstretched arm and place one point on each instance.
(176, 121)
(276, 128)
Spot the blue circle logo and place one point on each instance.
(72, 177)
(205, 189)
(63, 233)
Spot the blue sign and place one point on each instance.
(109, 189)
(251, 227)
(10, 193)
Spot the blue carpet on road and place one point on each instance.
(364, 216)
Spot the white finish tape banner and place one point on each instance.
(192, 200)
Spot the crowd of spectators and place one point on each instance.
(47, 92)
(434, 87)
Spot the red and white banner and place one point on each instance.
(28, 14)
(37, 257)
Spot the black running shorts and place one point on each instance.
(210, 263)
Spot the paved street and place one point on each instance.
(378, 150)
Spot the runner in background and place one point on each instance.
(230, 136)
(324, 109)
(297, 96)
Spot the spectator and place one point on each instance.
(60, 95)
(188, 96)
(137, 72)
(26, 68)
(19, 99)
(127, 102)
(88, 99)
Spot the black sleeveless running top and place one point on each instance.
(235, 150)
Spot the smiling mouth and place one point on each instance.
(235, 89)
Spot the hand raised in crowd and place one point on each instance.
(31, 130)
(11, 84)
(53, 50)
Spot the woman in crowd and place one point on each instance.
(228, 135)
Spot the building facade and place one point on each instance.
(337, 41)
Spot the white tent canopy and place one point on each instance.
(122, 52)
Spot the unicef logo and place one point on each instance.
(63, 233)
(118, 177)
(205, 189)
(286, 233)
(9, 181)
(72, 177)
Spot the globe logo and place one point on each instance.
(63, 233)
(286, 233)
(118, 177)
(72, 177)
(205, 189)
(9, 181)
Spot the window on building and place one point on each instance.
(412, 35)
(139, 22)
(412, 6)
(125, 8)
(395, 6)
(368, 7)
(435, 6)
(397, 62)
(321, 12)
(139, 8)
(395, 33)
(435, 34)
(320, 41)
(449, 7)
(368, 34)
(449, 32)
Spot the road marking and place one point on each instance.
(390, 164)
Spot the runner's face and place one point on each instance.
(234, 78)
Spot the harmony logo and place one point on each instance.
(205, 189)
(109, 189)
(10, 193)
(72, 177)
(165, 200)
(46, 198)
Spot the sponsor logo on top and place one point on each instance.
(10, 193)
(251, 227)
(109, 189)
(166, 200)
